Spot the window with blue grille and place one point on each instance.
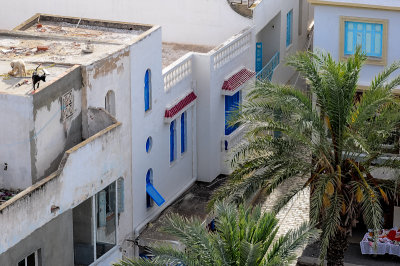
(289, 28)
(183, 132)
(147, 90)
(172, 137)
(367, 35)
(231, 106)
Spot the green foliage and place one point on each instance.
(333, 141)
(243, 237)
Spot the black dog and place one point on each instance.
(36, 78)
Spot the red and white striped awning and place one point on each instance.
(179, 107)
(236, 81)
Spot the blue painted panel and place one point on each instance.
(259, 57)
(289, 26)
(147, 90)
(231, 105)
(154, 194)
(183, 134)
(172, 142)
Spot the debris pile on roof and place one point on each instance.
(7, 194)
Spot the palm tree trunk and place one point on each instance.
(338, 245)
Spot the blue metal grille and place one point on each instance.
(268, 70)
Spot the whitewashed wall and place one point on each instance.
(208, 22)
(15, 141)
(113, 73)
(326, 36)
(87, 165)
(169, 180)
(210, 71)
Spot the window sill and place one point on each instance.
(370, 60)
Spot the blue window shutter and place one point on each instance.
(289, 21)
(367, 35)
(172, 141)
(183, 133)
(231, 105)
(102, 212)
(154, 194)
(147, 90)
(121, 203)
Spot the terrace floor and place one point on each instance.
(173, 51)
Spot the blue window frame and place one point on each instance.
(147, 90)
(172, 153)
(183, 133)
(289, 28)
(367, 35)
(231, 105)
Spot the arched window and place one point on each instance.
(149, 180)
(183, 132)
(149, 144)
(147, 90)
(110, 102)
(172, 152)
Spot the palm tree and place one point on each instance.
(333, 142)
(243, 237)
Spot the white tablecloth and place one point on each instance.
(368, 247)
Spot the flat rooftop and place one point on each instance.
(23, 85)
(173, 51)
(89, 29)
(34, 48)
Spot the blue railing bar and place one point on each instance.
(268, 69)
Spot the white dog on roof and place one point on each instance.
(18, 68)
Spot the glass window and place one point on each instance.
(106, 220)
(95, 224)
(366, 35)
(34, 259)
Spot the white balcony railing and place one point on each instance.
(230, 141)
(231, 50)
(177, 72)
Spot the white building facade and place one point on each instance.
(145, 122)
